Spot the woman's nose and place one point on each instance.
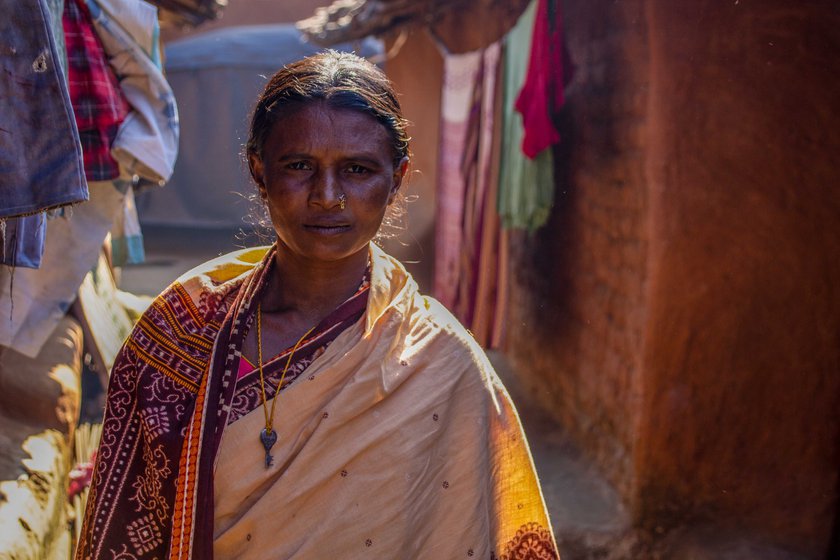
(326, 190)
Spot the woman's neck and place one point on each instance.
(311, 290)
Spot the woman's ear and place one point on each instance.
(399, 174)
(255, 166)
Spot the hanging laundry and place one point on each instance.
(140, 20)
(98, 102)
(147, 142)
(40, 154)
(56, 9)
(32, 302)
(470, 250)
(23, 237)
(526, 186)
(23, 240)
(126, 235)
(482, 294)
(548, 73)
(459, 77)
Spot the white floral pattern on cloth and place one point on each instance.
(150, 395)
(155, 421)
(144, 534)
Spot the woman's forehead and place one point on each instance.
(321, 126)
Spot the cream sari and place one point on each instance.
(398, 442)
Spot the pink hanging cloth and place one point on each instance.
(549, 70)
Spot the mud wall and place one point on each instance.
(415, 66)
(742, 342)
(578, 284)
(680, 313)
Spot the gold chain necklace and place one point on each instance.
(268, 437)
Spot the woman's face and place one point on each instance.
(314, 157)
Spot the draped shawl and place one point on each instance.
(399, 441)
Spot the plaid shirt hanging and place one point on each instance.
(98, 102)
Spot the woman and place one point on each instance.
(390, 436)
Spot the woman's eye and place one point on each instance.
(299, 165)
(356, 168)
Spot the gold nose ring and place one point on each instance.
(342, 201)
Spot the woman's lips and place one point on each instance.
(327, 229)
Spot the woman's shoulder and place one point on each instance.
(176, 333)
(458, 363)
(198, 297)
(230, 268)
(432, 319)
(424, 316)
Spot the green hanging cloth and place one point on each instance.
(526, 186)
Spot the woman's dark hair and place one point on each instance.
(342, 80)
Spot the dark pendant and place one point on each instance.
(268, 440)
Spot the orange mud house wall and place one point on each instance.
(578, 295)
(680, 313)
(416, 68)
